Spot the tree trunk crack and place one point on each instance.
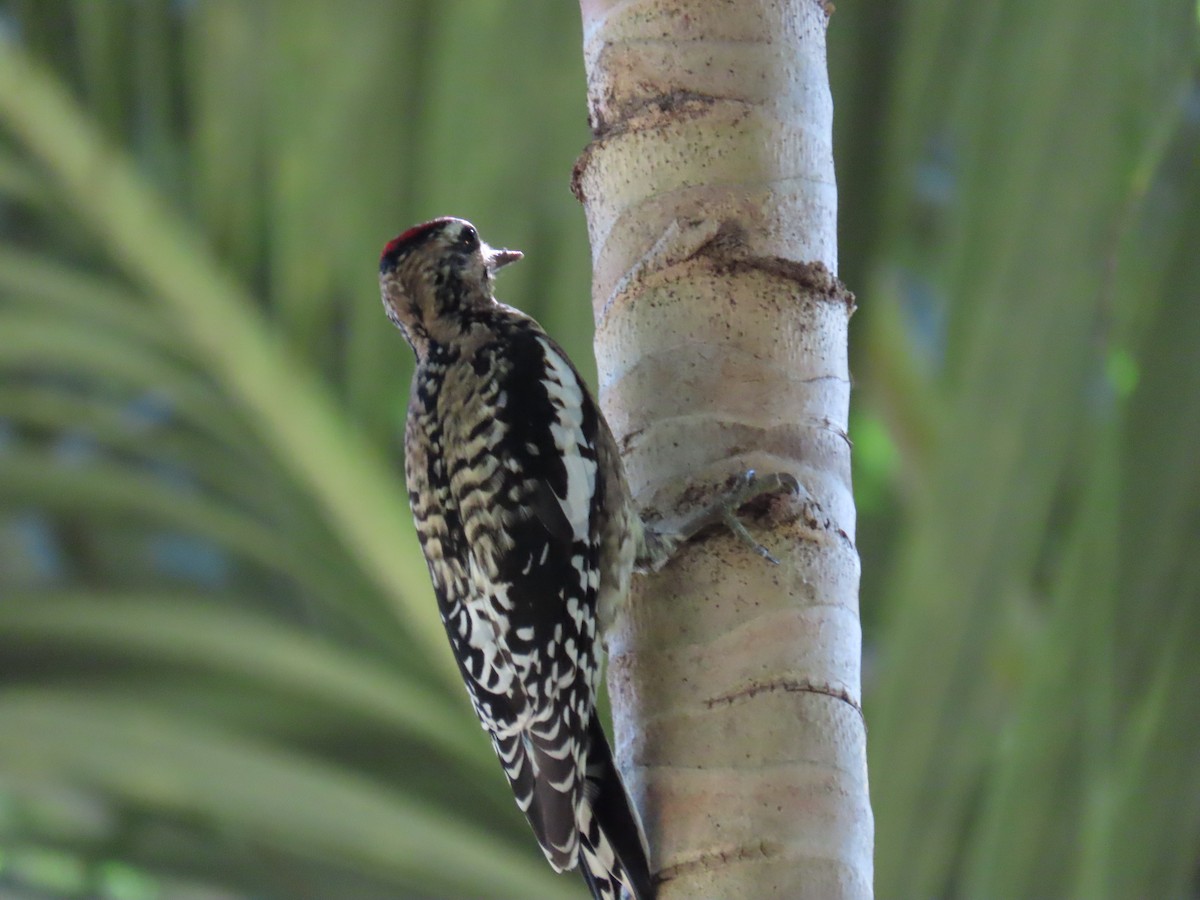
(649, 110)
(727, 251)
(717, 858)
(787, 685)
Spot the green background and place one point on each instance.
(221, 673)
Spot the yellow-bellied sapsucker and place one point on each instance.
(531, 536)
(525, 519)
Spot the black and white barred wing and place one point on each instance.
(525, 483)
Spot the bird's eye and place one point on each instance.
(469, 238)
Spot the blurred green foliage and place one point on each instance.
(221, 674)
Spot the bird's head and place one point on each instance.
(434, 276)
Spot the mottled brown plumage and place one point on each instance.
(526, 521)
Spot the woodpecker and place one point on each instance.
(531, 537)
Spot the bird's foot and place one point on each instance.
(751, 488)
(662, 544)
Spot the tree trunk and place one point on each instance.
(721, 346)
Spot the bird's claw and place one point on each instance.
(734, 524)
(662, 544)
(753, 487)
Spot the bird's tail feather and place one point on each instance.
(612, 847)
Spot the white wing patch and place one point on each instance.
(567, 396)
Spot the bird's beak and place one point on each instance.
(497, 259)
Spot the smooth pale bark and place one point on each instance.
(721, 345)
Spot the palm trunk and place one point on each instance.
(721, 346)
